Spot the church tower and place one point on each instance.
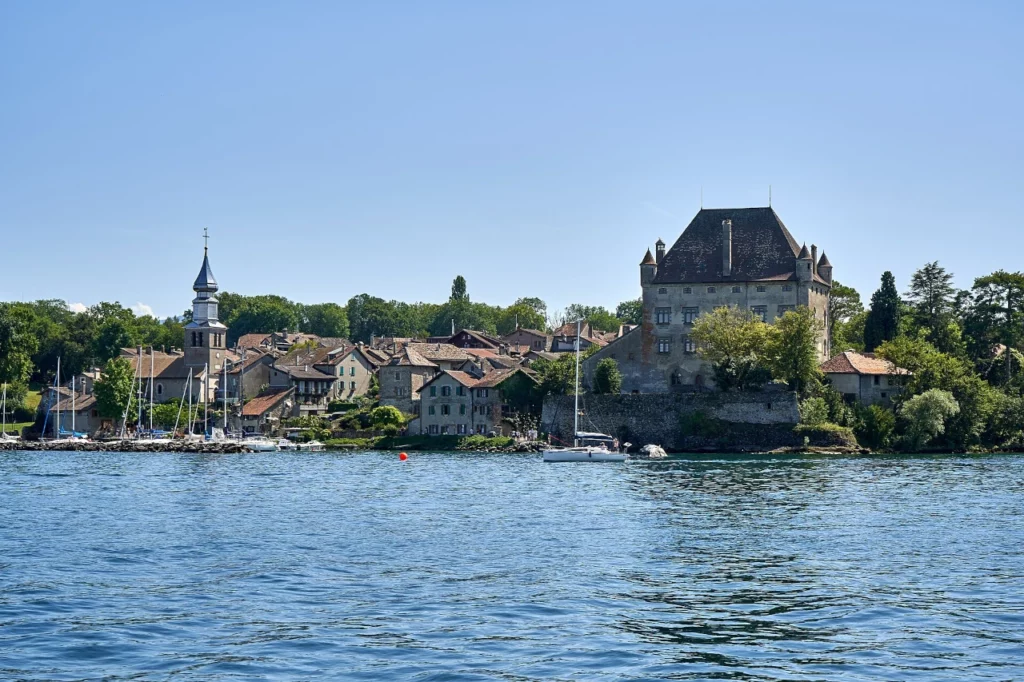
(205, 336)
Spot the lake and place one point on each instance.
(484, 567)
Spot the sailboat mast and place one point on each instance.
(224, 395)
(206, 399)
(190, 415)
(56, 422)
(72, 406)
(3, 408)
(576, 390)
(151, 390)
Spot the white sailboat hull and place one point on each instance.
(583, 455)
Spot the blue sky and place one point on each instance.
(535, 148)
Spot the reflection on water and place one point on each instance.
(290, 566)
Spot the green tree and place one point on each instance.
(996, 315)
(115, 389)
(736, 344)
(538, 305)
(324, 319)
(925, 416)
(262, 314)
(598, 316)
(459, 290)
(846, 313)
(883, 320)
(792, 351)
(813, 411)
(607, 377)
(16, 346)
(558, 377)
(630, 312)
(386, 415)
(519, 315)
(876, 427)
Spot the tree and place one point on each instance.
(386, 415)
(607, 377)
(519, 315)
(558, 377)
(925, 416)
(997, 314)
(876, 427)
(630, 312)
(324, 319)
(16, 347)
(846, 313)
(737, 344)
(883, 321)
(931, 293)
(459, 290)
(263, 314)
(792, 351)
(539, 306)
(115, 390)
(598, 317)
(813, 411)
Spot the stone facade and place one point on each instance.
(658, 419)
(399, 385)
(744, 258)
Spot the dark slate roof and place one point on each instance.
(762, 247)
(823, 263)
(804, 253)
(205, 281)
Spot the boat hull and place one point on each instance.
(583, 455)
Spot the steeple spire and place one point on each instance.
(205, 282)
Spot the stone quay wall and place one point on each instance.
(682, 421)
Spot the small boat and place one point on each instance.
(311, 446)
(285, 445)
(590, 447)
(259, 444)
(586, 447)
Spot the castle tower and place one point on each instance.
(648, 268)
(205, 336)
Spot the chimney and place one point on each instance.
(727, 248)
(814, 257)
(659, 251)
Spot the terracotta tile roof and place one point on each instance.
(648, 259)
(377, 357)
(252, 357)
(762, 248)
(483, 338)
(464, 378)
(253, 340)
(499, 377)
(851, 362)
(265, 401)
(439, 351)
(165, 365)
(409, 357)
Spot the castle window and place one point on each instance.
(462, 409)
(690, 314)
(687, 290)
(159, 389)
(736, 290)
(200, 338)
(664, 345)
(783, 309)
(787, 287)
(761, 289)
(675, 379)
(689, 346)
(712, 290)
(663, 290)
(662, 315)
(760, 312)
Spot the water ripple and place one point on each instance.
(470, 567)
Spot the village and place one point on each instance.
(286, 384)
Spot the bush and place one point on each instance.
(336, 406)
(385, 416)
(826, 434)
(390, 431)
(925, 416)
(813, 411)
(607, 377)
(876, 427)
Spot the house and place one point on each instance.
(563, 339)
(467, 338)
(258, 341)
(170, 375)
(532, 339)
(739, 257)
(486, 361)
(314, 389)
(253, 372)
(412, 367)
(86, 418)
(263, 414)
(354, 367)
(458, 403)
(864, 378)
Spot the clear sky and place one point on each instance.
(537, 148)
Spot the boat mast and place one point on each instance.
(138, 420)
(151, 391)
(224, 395)
(206, 399)
(3, 408)
(576, 391)
(72, 406)
(191, 421)
(56, 422)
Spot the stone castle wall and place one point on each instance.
(733, 420)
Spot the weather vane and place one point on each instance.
(206, 239)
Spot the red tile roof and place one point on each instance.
(265, 401)
(851, 362)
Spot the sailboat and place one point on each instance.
(587, 447)
(4, 436)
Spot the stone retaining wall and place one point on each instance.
(748, 421)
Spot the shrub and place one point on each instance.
(607, 377)
(826, 434)
(385, 416)
(876, 427)
(925, 416)
(813, 411)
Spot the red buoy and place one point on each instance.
(402, 456)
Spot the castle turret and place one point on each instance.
(648, 268)
(804, 265)
(825, 268)
(659, 251)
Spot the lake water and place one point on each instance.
(481, 567)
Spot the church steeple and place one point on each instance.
(205, 336)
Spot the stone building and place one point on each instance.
(863, 378)
(742, 257)
(411, 367)
(459, 403)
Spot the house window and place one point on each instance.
(430, 410)
(462, 409)
(480, 428)
(736, 290)
(787, 287)
(433, 429)
(481, 393)
(159, 389)
(462, 429)
(446, 390)
(690, 314)
(662, 315)
(663, 290)
(760, 312)
(712, 290)
(444, 430)
(352, 386)
(761, 289)
(687, 290)
(352, 371)
(537, 344)
(446, 409)
(433, 391)
(460, 390)
(664, 345)
(878, 380)
(398, 376)
(689, 346)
